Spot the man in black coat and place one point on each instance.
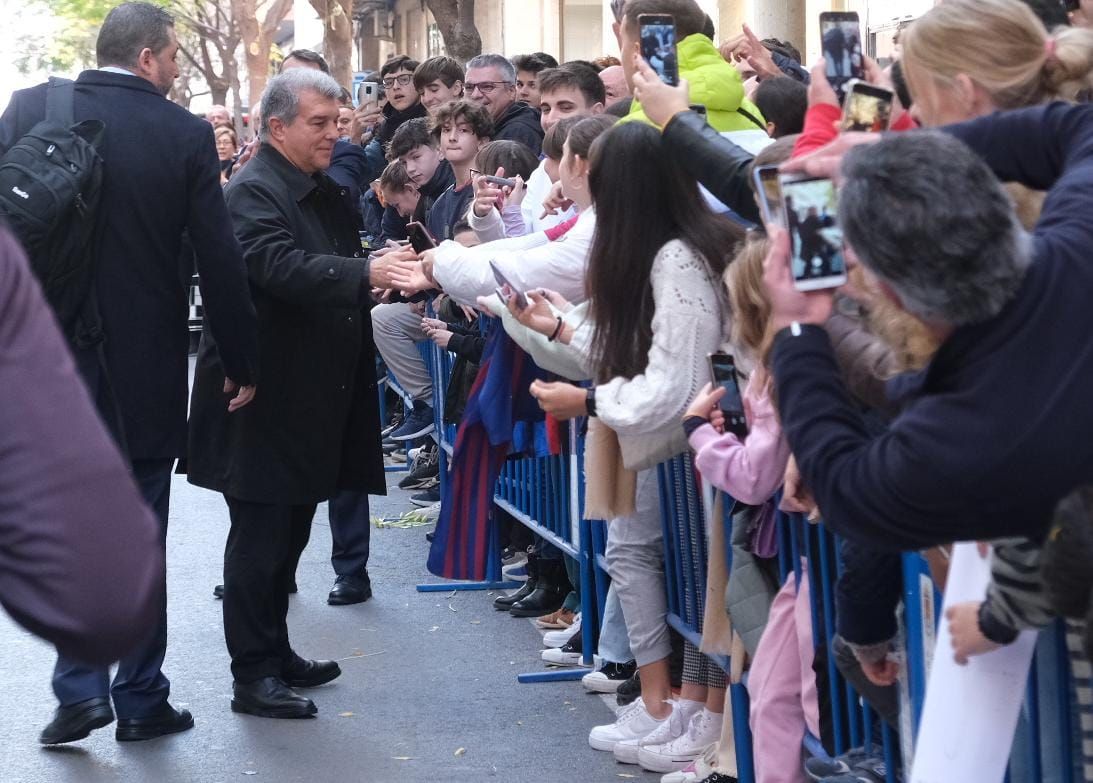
(161, 178)
(317, 431)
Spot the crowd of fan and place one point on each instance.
(936, 398)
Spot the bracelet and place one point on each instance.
(590, 402)
(557, 330)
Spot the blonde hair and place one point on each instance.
(748, 300)
(1003, 47)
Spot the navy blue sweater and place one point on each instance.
(999, 426)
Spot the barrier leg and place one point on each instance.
(741, 729)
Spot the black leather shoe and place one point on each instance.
(546, 599)
(269, 697)
(505, 602)
(218, 591)
(76, 721)
(311, 674)
(349, 590)
(167, 720)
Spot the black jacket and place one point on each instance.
(721, 166)
(520, 123)
(449, 209)
(313, 427)
(442, 179)
(161, 177)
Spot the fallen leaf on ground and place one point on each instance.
(460, 751)
(403, 758)
(476, 622)
(345, 714)
(434, 628)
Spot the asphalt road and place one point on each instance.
(428, 690)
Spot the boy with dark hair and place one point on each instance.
(400, 198)
(783, 102)
(570, 90)
(438, 80)
(461, 128)
(528, 67)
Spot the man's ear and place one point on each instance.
(771, 129)
(597, 108)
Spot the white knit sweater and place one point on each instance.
(690, 321)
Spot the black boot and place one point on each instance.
(505, 602)
(549, 594)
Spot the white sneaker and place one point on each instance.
(698, 770)
(562, 656)
(675, 725)
(677, 753)
(561, 638)
(634, 722)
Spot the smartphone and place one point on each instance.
(816, 242)
(368, 93)
(501, 182)
(658, 45)
(521, 299)
(420, 240)
(840, 41)
(723, 373)
(768, 192)
(867, 108)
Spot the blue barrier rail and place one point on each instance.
(546, 494)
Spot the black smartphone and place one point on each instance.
(521, 299)
(768, 192)
(816, 243)
(723, 373)
(840, 41)
(658, 45)
(867, 108)
(420, 240)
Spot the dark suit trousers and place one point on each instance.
(139, 687)
(351, 531)
(264, 544)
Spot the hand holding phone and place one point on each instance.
(768, 192)
(502, 281)
(658, 45)
(723, 374)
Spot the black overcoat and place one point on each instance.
(161, 179)
(313, 427)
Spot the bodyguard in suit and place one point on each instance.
(161, 178)
(317, 431)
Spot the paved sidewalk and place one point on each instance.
(428, 693)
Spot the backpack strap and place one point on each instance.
(755, 120)
(59, 97)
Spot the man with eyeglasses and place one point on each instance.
(491, 83)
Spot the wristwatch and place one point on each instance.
(590, 402)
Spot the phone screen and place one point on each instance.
(840, 40)
(658, 45)
(769, 193)
(420, 240)
(723, 372)
(867, 108)
(521, 299)
(816, 241)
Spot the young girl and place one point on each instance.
(780, 682)
(655, 312)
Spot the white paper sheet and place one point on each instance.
(971, 711)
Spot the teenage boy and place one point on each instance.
(418, 150)
(438, 80)
(528, 67)
(570, 90)
(396, 327)
(462, 128)
(400, 198)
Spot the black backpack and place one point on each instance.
(50, 186)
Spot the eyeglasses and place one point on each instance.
(401, 80)
(484, 87)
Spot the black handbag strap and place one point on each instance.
(59, 96)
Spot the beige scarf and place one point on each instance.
(610, 488)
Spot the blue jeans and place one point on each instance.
(139, 688)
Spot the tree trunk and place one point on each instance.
(337, 37)
(455, 18)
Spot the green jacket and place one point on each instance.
(715, 84)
